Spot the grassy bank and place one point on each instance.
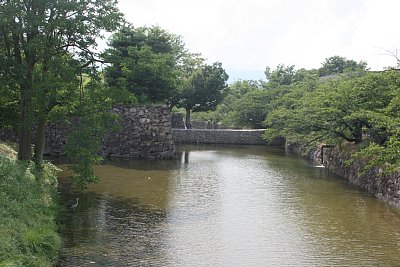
(28, 232)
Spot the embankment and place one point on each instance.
(28, 210)
(374, 181)
(383, 186)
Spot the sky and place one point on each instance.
(247, 36)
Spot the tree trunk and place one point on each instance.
(357, 132)
(40, 139)
(41, 122)
(187, 122)
(25, 127)
(25, 77)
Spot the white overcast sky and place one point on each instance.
(250, 35)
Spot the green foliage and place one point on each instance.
(40, 41)
(282, 75)
(341, 108)
(28, 232)
(353, 107)
(9, 107)
(337, 64)
(145, 61)
(240, 88)
(287, 75)
(92, 119)
(305, 108)
(49, 67)
(204, 115)
(203, 90)
(224, 113)
(250, 110)
(247, 103)
(384, 150)
(386, 156)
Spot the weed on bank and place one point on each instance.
(28, 231)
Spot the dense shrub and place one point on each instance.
(28, 232)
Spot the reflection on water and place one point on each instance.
(108, 232)
(227, 206)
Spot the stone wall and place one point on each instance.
(8, 135)
(206, 136)
(177, 121)
(56, 138)
(383, 186)
(143, 132)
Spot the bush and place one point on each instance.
(28, 230)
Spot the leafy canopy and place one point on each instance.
(202, 89)
(147, 61)
(45, 47)
(337, 64)
(337, 109)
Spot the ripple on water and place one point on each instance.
(228, 206)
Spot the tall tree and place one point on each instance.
(337, 64)
(146, 61)
(203, 90)
(286, 75)
(282, 75)
(227, 111)
(35, 34)
(9, 98)
(250, 110)
(340, 109)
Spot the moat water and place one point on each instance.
(226, 206)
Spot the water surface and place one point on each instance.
(227, 206)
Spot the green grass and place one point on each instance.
(28, 232)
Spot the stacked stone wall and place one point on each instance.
(382, 185)
(177, 121)
(8, 135)
(336, 159)
(142, 132)
(145, 132)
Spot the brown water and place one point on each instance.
(227, 206)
